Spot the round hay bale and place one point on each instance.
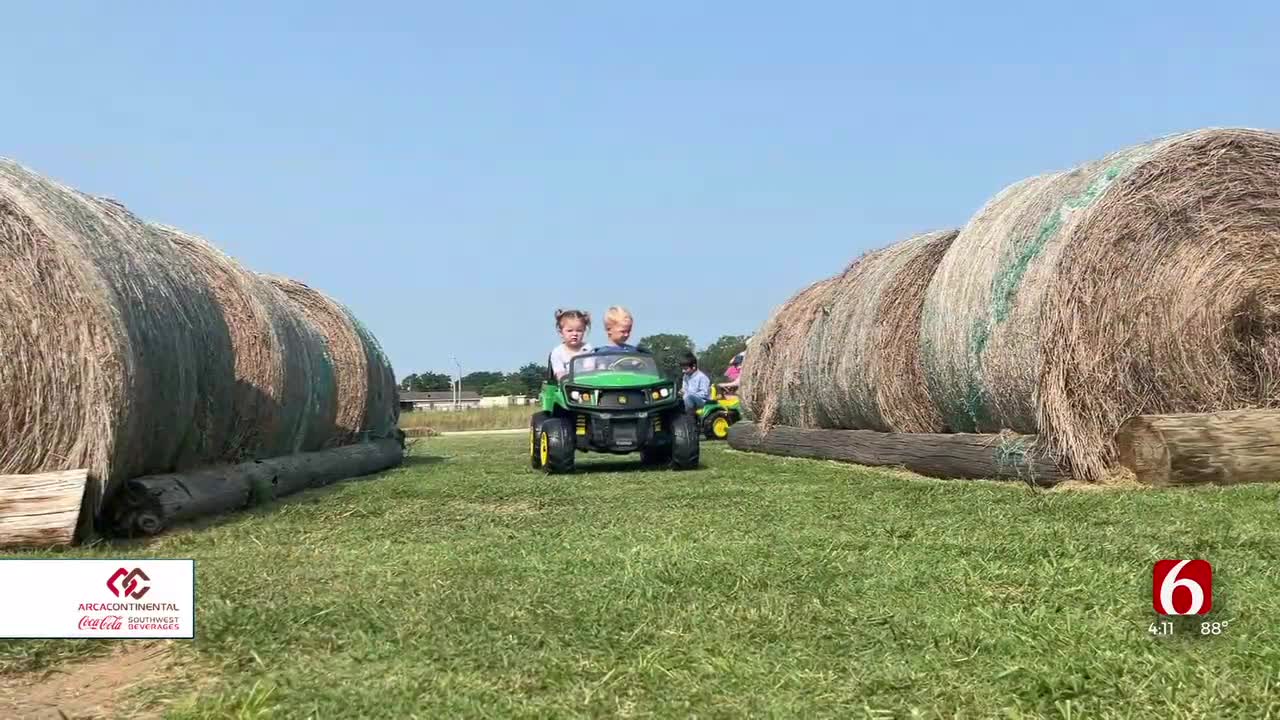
(112, 343)
(382, 410)
(869, 374)
(346, 352)
(271, 374)
(1166, 297)
(310, 395)
(772, 389)
(1139, 283)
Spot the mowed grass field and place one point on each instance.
(464, 584)
(498, 418)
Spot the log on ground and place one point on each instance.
(1221, 448)
(148, 505)
(41, 509)
(941, 455)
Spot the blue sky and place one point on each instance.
(453, 173)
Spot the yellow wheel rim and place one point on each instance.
(545, 449)
(720, 427)
(530, 442)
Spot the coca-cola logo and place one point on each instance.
(130, 586)
(106, 622)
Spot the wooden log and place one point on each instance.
(41, 509)
(1221, 448)
(148, 505)
(942, 455)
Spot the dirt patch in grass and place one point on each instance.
(100, 687)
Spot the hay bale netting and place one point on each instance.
(279, 404)
(116, 356)
(1142, 283)
(382, 410)
(360, 369)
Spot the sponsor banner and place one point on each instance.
(97, 598)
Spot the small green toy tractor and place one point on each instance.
(616, 402)
(718, 414)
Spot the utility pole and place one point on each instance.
(457, 387)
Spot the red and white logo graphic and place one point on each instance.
(1182, 587)
(131, 586)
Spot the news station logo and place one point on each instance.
(1182, 587)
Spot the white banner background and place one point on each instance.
(44, 598)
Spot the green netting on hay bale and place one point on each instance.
(1144, 282)
(367, 402)
(311, 392)
(267, 407)
(116, 357)
(382, 410)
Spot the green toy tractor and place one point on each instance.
(616, 402)
(718, 414)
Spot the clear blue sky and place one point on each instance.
(453, 172)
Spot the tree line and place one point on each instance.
(666, 348)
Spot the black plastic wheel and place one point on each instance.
(535, 425)
(557, 437)
(684, 442)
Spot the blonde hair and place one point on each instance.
(562, 315)
(615, 315)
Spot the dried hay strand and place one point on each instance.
(1166, 297)
(268, 403)
(349, 354)
(869, 371)
(111, 343)
(772, 389)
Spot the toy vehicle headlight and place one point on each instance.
(665, 392)
(575, 395)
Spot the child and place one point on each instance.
(697, 386)
(617, 325)
(573, 325)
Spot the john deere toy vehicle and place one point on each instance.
(613, 402)
(718, 414)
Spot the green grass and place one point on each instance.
(497, 418)
(465, 585)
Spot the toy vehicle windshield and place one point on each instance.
(613, 361)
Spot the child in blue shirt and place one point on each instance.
(697, 386)
(617, 326)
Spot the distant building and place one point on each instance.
(438, 400)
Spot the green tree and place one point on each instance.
(426, 382)
(529, 378)
(481, 378)
(667, 349)
(714, 359)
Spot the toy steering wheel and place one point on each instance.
(633, 363)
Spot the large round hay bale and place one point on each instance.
(1144, 282)
(844, 353)
(116, 354)
(359, 379)
(772, 386)
(869, 369)
(273, 372)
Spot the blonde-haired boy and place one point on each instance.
(617, 326)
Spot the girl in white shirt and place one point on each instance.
(573, 326)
